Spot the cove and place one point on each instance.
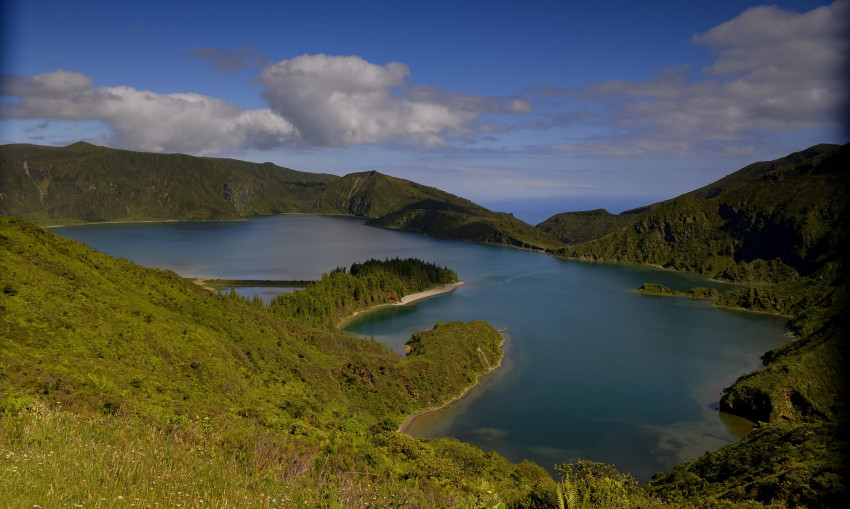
(592, 371)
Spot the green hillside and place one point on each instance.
(405, 205)
(87, 183)
(131, 381)
(792, 214)
(372, 194)
(125, 384)
(83, 182)
(488, 228)
(779, 230)
(577, 227)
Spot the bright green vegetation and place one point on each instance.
(789, 461)
(340, 294)
(577, 227)
(119, 380)
(86, 183)
(778, 229)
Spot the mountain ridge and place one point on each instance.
(88, 183)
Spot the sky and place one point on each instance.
(532, 107)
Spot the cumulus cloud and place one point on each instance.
(345, 100)
(146, 120)
(314, 100)
(774, 70)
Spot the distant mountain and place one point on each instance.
(401, 204)
(87, 183)
(577, 227)
(372, 194)
(791, 211)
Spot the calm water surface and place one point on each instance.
(592, 371)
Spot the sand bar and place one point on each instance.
(407, 299)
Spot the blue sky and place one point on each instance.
(530, 107)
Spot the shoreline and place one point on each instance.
(410, 419)
(407, 299)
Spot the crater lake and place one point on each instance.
(592, 370)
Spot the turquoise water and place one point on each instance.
(592, 371)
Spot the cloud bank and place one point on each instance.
(345, 100)
(774, 70)
(314, 100)
(145, 120)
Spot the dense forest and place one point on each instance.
(340, 294)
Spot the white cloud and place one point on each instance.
(345, 100)
(775, 70)
(315, 100)
(50, 84)
(145, 120)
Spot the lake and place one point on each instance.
(592, 371)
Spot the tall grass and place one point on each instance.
(54, 458)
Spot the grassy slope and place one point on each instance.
(84, 182)
(372, 194)
(779, 227)
(577, 227)
(146, 364)
(794, 214)
(406, 205)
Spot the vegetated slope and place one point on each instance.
(83, 182)
(577, 227)
(761, 168)
(219, 393)
(87, 183)
(397, 203)
(372, 194)
(792, 214)
(780, 228)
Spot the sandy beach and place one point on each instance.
(411, 418)
(407, 299)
